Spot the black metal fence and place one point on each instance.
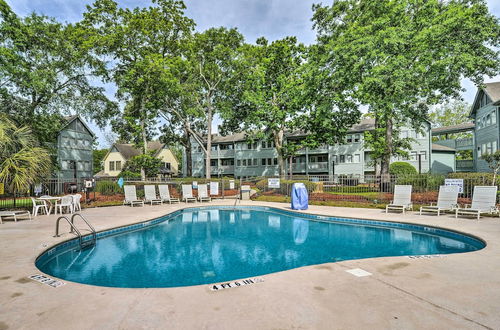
(360, 188)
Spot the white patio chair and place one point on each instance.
(447, 201)
(187, 193)
(38, 205)
(401, 200)
(150, 194)
(484, 200)
(14, 214)
(131, 196)
(76, 202)
(203, 193)
(165, 194)
(66, 202)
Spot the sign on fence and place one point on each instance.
(214, 188)
(195, 184)
(231, 184)
(273, 183)
(455, 182)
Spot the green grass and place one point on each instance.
(21, 202)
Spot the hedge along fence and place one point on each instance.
(474, 179)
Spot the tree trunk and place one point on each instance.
(209, 142)
(188, 150)
(278, 142)
(144, 148)
(386, 158)
(291, 169)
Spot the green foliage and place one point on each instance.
(98, 156)
(148, 162)
(473, 179)
(493, 161)
(421, 182)
(22, 162)
(108, 188)
(402, 168)
(401, 57)
(453, 112)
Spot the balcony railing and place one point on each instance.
(223, 169)
(464, 165)
(323, 166)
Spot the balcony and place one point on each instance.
(300, 167)
(464, 165)
(318, 167)
(228, 153)
(223, 169)
(457, 144)
(319, 150)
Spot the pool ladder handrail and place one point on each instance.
(75, 229)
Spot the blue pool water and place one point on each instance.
(216, 244)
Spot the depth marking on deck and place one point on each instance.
(235, 284)
(358, 272)
(46, 280)
(426, 256)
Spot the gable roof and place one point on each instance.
(491, 89)
(438, 147)
(128, 150)
(70, 119)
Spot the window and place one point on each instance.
(226, 147)
(478, 152)
(111, 166)
(349, 138)
(488, 147)
(413, 155)
(483, 148)
(269, 161)
(356, 138)
(357, 158)
(494, 117)
(214, 148)
(488, 119)
(494, 146)
(423, 155)
(118, 165)
(255, 162)
(342, 159)
(213, 162)
(348, 158)
(264, 144)
(263, 162)
(227, 162)
(244, 162)
(165, 165)
(275, 161)
(238, 162)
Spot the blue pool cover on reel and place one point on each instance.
(300, 198)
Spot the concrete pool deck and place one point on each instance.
(459, 291)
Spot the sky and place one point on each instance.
(273, 19)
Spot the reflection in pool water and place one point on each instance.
(201, 246)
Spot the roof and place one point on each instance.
(464, 127)
(438, 147)
(493, 91)
(70, 119)
(367, 124)
(128, 150)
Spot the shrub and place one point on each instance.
(473, 179)
(108, 188)
(402, 168)
(421, 182)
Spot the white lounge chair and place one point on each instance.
(150, 194)
(447, 200)
(76, 202)
(14, 214)
(38, 205)
(203, 193)
(187, 193)
(65, 202)
(165, 194)
(401, 200)
(131, 196)
(484, 200)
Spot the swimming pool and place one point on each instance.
(215, 244)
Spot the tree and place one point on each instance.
(493, 161)
(148, 162)
(22, 161)
(400, 57)
(98, 157)
(200, 84)
(45, 71)
(450, 113)
(138, 43)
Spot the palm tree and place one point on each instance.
(22, 161)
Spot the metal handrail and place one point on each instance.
(72, 228)
(94, 234)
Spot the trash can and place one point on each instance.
(300, 198)
(245, 193)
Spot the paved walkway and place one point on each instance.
(460, 291)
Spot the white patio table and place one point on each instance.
(49, 200)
